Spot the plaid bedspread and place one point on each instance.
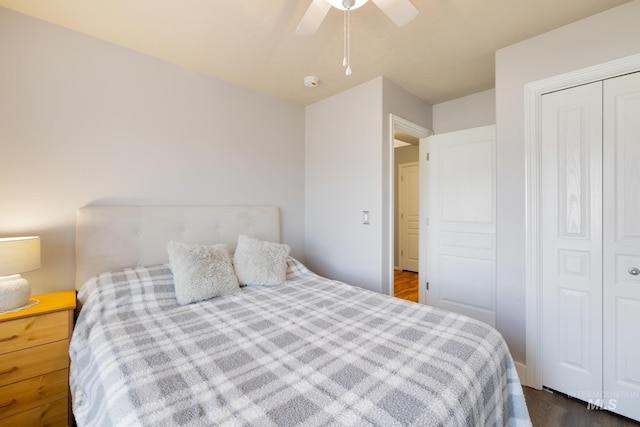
(310, 352)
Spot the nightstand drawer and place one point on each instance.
(19, 365)
(24, 395)
(32, 331)
(54, 414)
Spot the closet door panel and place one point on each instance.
(621, 245)
(572, 239)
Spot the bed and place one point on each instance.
(305, 352)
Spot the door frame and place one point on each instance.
(404, 125)
(533, 263)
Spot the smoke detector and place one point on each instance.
(311, 81)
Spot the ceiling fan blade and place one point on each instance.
(401, 12)
(313, 18)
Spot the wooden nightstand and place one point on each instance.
(34, 362)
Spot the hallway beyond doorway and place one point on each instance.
(405, 285)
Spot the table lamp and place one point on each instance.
(17, 255)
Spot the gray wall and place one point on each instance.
(478, 109)
(86, 122)
(343, 178)
(348, 170)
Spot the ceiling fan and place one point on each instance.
(401, 12)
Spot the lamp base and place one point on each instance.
(14, 292)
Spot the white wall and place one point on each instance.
(478, 109)
(344, 177)
(604, 37)
(86, 122)
(348, 170)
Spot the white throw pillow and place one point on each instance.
(260, 263)
(201, 272)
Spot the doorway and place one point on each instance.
(407, 218)
(405, 150)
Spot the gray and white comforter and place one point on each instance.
(310, 352)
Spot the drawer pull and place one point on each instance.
(8, 338)
(8, 371)
(6, 405)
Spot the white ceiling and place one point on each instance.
(445, 53)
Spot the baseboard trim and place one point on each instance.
(521, 368)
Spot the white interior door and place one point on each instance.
(571, 240)
(461, 253)
(621, 245)
(409, 200)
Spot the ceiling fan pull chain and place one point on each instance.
(344, 44)
(348, 42)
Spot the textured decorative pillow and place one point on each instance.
(260, 263)
(201, 272)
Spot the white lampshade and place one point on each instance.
(339, 5)
(17, 255)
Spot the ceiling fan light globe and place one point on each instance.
(338, 4)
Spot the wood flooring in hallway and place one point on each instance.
(405, 285)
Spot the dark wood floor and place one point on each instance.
(405, 285)
(555, 409)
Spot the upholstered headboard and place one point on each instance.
(112, 237)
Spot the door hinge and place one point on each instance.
(427, 285)
(427, 157)
(401, 253)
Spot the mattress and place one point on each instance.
(309, 352)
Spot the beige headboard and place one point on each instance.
(113, 237)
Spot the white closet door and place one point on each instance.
(621, 240)
(572, 240)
